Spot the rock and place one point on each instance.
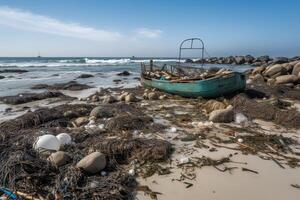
(109, 99)
(2, 77)
(288, 67)
(95, 98)
(249, 59)
(212, 105)
(275, 69)
(85, 76)
(229, 60)
(271, 81)
(100, 112)
(222, 115)
(13, 71)
(81, 121)
(258, 70)
(130, 98)
(258, 78)
(70, 114)
(117, 81)
(239, 60)
(124, 73)
(264, 59)
(280, 60)
(59, 158)
(286, 79)
(92, 163)
(162, 97)
(122, 96)
(153, 96)
(296, 69)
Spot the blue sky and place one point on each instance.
(148, 27)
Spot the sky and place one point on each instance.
(148, 28)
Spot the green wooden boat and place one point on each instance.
(207, 88)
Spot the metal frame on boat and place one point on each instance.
(174, 79)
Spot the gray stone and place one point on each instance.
(109, 99)
(222, 115)
(239, 60)
(130, 98)
(92, 163)
(296, 69)
(286, 79)
(153, 96)
(59, 158)
(100, 112)
(95, 98)
(258, 70)
(81, 121)
(258, 78)
(275, 69)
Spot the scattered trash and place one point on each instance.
(173, 130)
(240, 140)
(47, 142)
(184, 160)
(240, 118)
(64, 139)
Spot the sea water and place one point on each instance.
(63, 69)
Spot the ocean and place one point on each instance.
(50, 70)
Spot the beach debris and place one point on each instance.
(240, 140)
(109, 99)
(148, 192)
(128, 122)
(131, 172)
(173, 130)
(122, 96)
(212, 105)
(64, 139)
(184, 160)
(222, 115)
(130, 98)
(92, 163)
(59, 158)
(124, 73)
(249, 170)
(95, 98)
(46, 142)
(295, 186)
(152, 96)
(240, 118)
(162, 97)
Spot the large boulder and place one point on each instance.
(239, 60)
(222, 115)
(280, 60)
(258, 70)
(229, 60)
(274, 69)
(264, 59)
(286, 79)
(59, 158)
(130, 98)
(109, 99)
(92, 163)
(296, 69)
(249, 59)
(258, 78)
(101, 112)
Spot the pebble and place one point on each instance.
(92, 163)
(59, 158)
(240, 140)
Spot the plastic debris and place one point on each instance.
(131, 172)
(240, 118)
(173, 129)
(48, 142)
(184, 160)
(240, 140)
(64, 139)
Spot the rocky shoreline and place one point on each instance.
(125, 142)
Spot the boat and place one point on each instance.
(189, 81)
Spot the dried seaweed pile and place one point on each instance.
(29, 97)
(249, 107)
(122, 151)
(127, 122)
(43, 116)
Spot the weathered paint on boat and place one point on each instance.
(206, 88)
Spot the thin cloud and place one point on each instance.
(148, 33)
(38, 23)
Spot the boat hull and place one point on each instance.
(209, 88)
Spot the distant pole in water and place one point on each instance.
(151, 65)
(39, 55)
